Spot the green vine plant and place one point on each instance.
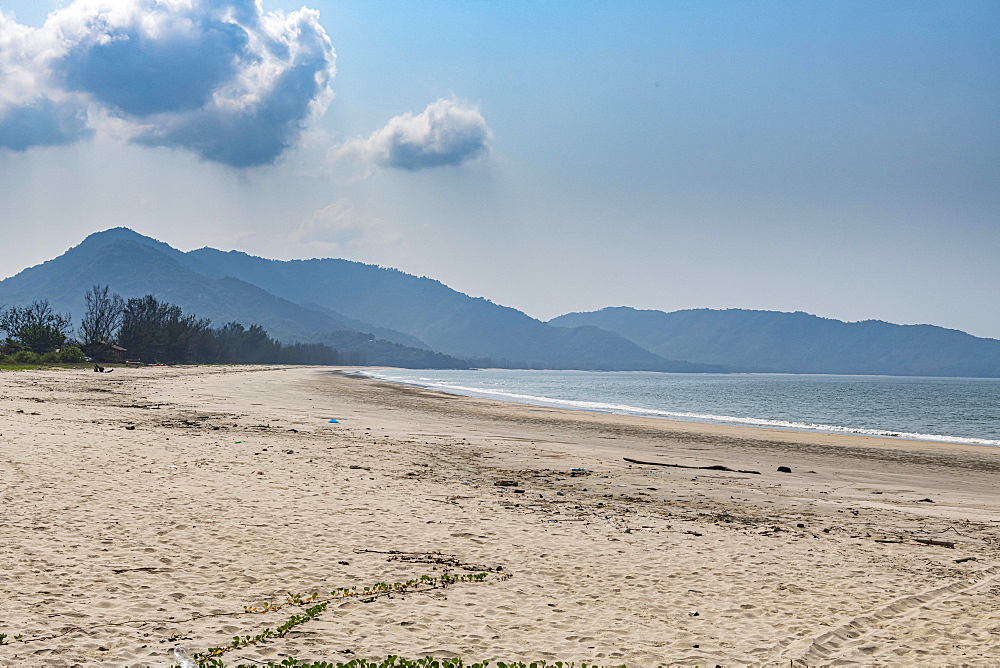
(397, 662)
(209, 658)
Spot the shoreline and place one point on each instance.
(653, 428)
(143, 509)
(712, 421)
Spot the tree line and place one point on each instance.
(144, 329)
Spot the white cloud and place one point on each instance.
(447, 132)
(221, 78)
(341, 224)
(32, 112)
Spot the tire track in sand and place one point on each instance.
(821, 649)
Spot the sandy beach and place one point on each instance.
(145, 508)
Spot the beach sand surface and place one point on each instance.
(144, 509)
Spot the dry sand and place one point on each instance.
(144, 509)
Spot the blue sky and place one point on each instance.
(838, 158)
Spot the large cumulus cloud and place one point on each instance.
(31, 114)
(447, 132)
(221, 78)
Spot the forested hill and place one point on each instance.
(798, 342)
(310, 300)
(307, 300)
(445, 319)
(134, 268)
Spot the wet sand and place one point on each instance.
(144, 509)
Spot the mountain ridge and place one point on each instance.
(468, 327)
(135, 269)
(361, 304)
(798, 342)
(405, 309)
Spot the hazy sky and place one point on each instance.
(839, 158)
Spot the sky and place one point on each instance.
(838, 158)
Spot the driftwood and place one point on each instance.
(717, 467)
(922, 541)
(939, 543)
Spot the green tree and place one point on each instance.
(143, 329)
(156, 331)
(36, 327)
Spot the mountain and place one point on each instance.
(446, 320)
(771, 341)
(385, 316)
(309, 300)
(134, 268)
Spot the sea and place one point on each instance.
(949, 410)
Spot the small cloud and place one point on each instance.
(220, 78)
(341, 224)
(447, 132)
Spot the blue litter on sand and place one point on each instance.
(335, 421)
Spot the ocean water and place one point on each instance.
(952, 410)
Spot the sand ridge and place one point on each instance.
(143, 509)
